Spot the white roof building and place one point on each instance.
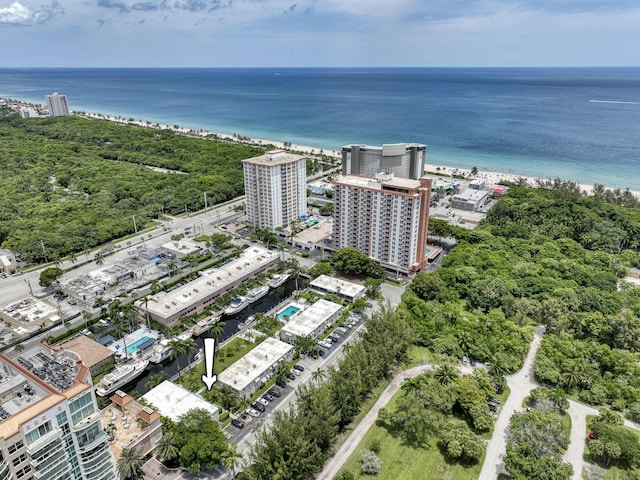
(311, 322)
(347, 290)
(167, 307)
(173, 401)
(246, 375)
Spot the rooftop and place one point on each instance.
(173, 400)
(470, 195)
(316, 233)
(374, 184)
(308, 320)
(335, 285)
(89, 351)
(166, 304)
(28, 310)
(274, 157)
(254, 364)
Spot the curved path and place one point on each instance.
(334, 464)
(520, 384)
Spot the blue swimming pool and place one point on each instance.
(288, 312)
(134, 346)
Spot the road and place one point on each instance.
(521, 384)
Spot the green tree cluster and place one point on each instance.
(297, 443)
(75, 183)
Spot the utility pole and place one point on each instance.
(29, 284)
(135, 227)
(205, 201)
(44, 251)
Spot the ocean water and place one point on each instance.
(581, 124)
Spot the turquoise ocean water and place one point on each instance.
(581, 124)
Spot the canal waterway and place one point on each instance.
(268, 302)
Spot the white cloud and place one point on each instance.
(19, 14)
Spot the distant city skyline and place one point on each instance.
(340, 33)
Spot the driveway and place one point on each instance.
(521, 384)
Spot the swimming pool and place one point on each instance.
(427, 252)
(134, 346)
(311, 223)
(288, 312)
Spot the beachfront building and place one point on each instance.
(405, 160)
(349, 291)
(275, 186)
(311, 322)
(470, 199)
(174, 401)
(386, 218)
(166, 308)
(49, 420)
(57, 105)
(253, 370)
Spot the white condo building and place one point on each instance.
(386, 218)
(50, 425)
(57, 105)
(405, 160)
(275, 186)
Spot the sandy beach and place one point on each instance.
(491, 178)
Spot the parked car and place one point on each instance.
(492, 408)
(258, 406)
(268, 397)
(341, 330)
(299, 368)
(290, 376)
(275, 392)
(281, 383)
(252, 412)
(237, 423)
(263, 401)
(494, 400)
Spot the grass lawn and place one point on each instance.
(407, 463)
(418, 356)
(400, 461)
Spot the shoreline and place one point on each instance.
(490, 177)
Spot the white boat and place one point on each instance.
(256, 294)
(163, 349)
(203, 326)
(278, 280)
(237, 304)
(120, 377)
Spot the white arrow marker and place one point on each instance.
(209, 349)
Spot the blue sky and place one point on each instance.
(219, 33)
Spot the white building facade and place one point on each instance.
(405, 160)
(57, 105)
(275, 188)
(386, 218)
(50, 424)
(311, 322)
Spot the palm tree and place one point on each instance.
(177, 349)
(217, 329)
(110, 429)
(446, 374)
(99, 259)
(19, 347)
(130, 465)
(231, 459)
(465, 342)
(294, 266)
(190, 348)
(166, 449)
(319, 375)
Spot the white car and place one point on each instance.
(252, 412)
(263, 401)
(295, 372)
